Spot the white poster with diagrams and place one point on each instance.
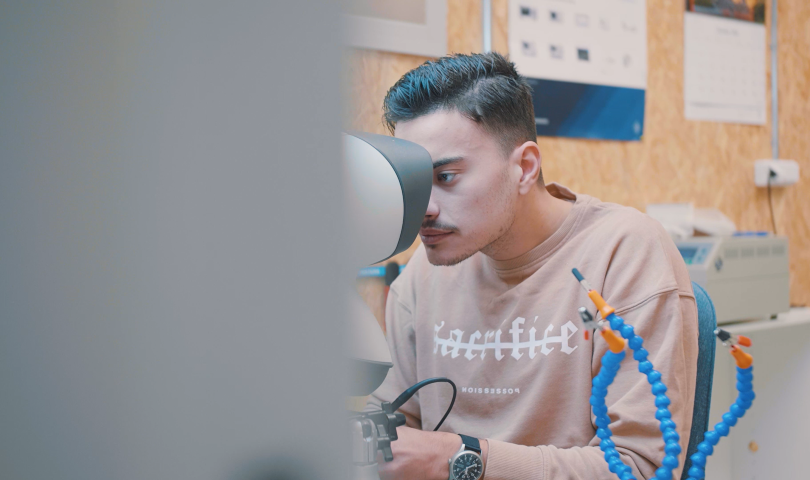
(587, 63)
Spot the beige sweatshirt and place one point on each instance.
(508, 334)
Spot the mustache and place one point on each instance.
(436, 225)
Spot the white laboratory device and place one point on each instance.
(747, 277)
(388, 183)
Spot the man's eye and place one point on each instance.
(446, 177)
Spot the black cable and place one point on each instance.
(411, 391)
(771, 174)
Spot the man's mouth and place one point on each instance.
(431, 236)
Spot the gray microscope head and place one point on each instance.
(388, 184)
(389, 189)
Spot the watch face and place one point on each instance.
(467, 466)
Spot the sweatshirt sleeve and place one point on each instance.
(668, 323)
(402, 344)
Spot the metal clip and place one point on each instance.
(731, 340)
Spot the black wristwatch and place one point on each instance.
(467, 464)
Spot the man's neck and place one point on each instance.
(538, 216)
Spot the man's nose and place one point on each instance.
(433, 208)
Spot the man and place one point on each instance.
(489, 301)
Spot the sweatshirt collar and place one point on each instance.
(526, 264)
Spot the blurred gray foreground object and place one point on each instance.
(172, 241)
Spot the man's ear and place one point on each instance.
(529, 160)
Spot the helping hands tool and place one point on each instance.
(608, 326)
(745, 378)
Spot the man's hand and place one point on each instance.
(420, 455)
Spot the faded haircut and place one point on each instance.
(484, 87)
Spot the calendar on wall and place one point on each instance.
(724, 61)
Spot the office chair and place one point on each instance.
(707, 323)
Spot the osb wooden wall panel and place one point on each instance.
(709, 164)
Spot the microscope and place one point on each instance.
(388, 183)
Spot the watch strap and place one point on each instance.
(470, 443)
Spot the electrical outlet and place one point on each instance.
(785, 172)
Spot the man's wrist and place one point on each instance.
(447, 446)
(484, 453)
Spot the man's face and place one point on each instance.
(472, 203)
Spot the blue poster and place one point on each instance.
(580, 110)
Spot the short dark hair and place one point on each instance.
(484, 87)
